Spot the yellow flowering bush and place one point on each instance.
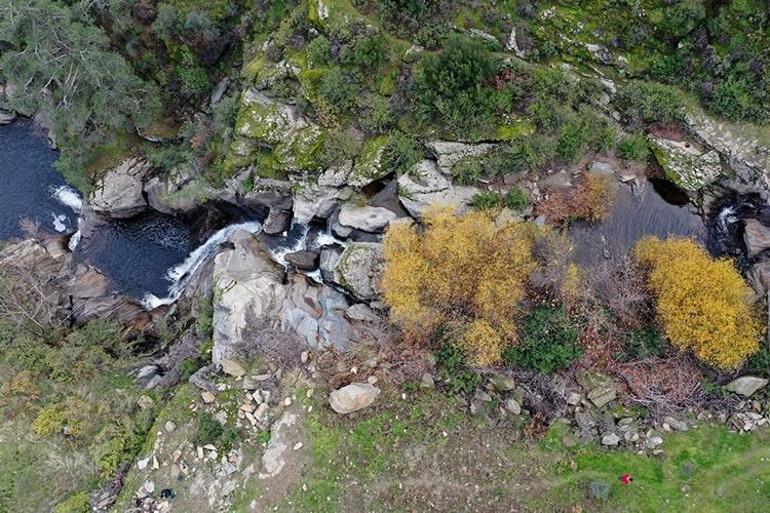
(703, 304)
(459, 270)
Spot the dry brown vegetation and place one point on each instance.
(590, 200)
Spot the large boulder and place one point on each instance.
(367, 218)
(359, 270)
(425, 185)
(687, 164)
(264, 121)
(120, 192)
(756, 237)
(353, 397)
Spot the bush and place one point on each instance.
(641, 344)
(634, 147)
(338, 90)
(516, 198)
(452, 89)
(76, 503)
(703, 304)
(467, 171)
(486, 200)
(402, 152)
(548, 341)
(454, 373)
(482, 343)
(319, 52)
(458, 270)
(208, 430)
(646, 102)
(591, 200)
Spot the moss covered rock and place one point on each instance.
(369, 165)
(688, 165)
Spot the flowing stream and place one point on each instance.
(152, 257)
(30, 188)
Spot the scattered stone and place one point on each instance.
(601, 388)
(512, 406)
(610, 439)
(502, 382)
(169, 426)
(573, 399)
(359, 269)
(304, 357)
(297, 446)
(232, 368)
(353, 397)
(601, 169)
(261, 412)
(208, 397)
(427, 381)
(143, 463)
(145, 402)
(676, 424)
(653, 442)
(746, 385)
(304, 260)
(273, 459)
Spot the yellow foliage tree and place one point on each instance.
(703, 304)
(459, 270)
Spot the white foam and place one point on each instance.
(68, 196)
(327, 239)
(59, 223)
(74, 240)
(279, 253)
(180, 275)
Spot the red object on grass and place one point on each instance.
(626, 479)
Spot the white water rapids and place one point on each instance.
(181, 274)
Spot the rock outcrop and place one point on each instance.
(249, 291)
(689, 165)
(120, 193)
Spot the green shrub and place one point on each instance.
(648, 102)
(76, 503)
(452, 88)
(487, 199)
(634, 147)
(209, 429)
(338, 90)
(453, 371)
(402, 152)
(516, 199)
(338, 146)
(548, 341)
(369, 53)
(736, 99)
(318, 52)
(643, 343)
(467, 171)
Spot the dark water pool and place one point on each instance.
(656, 208)
(137, 253)
(29, 183)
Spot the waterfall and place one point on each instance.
(180, 275)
